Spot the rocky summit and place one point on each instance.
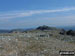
(42, 41)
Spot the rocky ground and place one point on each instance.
(35, 43)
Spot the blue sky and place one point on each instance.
(32, 13)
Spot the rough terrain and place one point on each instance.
(35, 43)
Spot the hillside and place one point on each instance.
(35, 43)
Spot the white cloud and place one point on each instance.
(11, 15)
(51, 21)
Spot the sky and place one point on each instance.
(32, 13)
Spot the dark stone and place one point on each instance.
(71, 32)
(63, 32)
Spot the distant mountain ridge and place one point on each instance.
(44, 27)
(4, 31)
(17, 30)
(67, 27)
